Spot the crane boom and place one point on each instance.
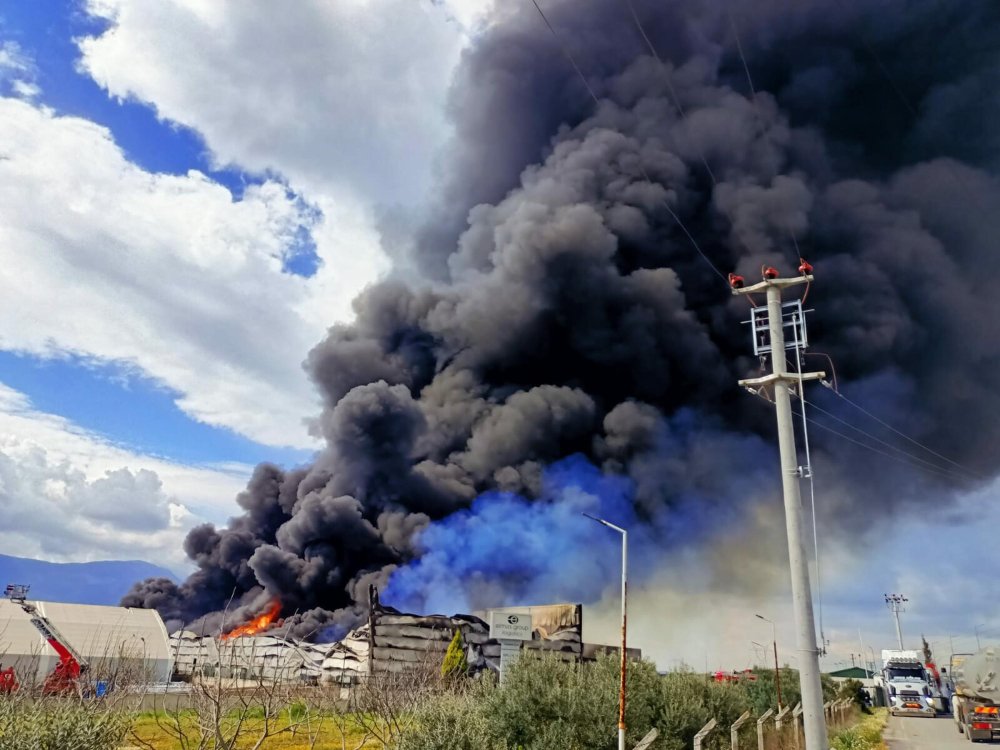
(71, 663)
(54, 638)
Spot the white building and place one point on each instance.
(109, 638)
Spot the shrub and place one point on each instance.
(453, 721)
(544, 704)
(864, 736)
(455, 662)
(60, 723)
(851, 689)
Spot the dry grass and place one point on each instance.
(148, 732)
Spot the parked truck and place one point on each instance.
(909, 689)
(976, 702)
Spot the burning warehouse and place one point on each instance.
(389, 641)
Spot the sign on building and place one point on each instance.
(510, 626)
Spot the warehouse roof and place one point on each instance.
(96, 632)
(852, 673)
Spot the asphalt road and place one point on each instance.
(917, 733)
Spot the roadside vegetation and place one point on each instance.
(544, 704)
(865, 735)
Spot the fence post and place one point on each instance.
(760, 728)
(796, 724)
(781, 717)
(734, 730)
(703, 733)
(648, 740)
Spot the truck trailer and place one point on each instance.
(976, 703)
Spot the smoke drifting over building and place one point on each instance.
(567, 349)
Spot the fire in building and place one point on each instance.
(389, 641)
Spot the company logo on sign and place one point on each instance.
(510, 626)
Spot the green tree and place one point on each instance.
(455, 663)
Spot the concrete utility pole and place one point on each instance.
(897, 602)
(624, 657)
(814, 717)
(777, 671)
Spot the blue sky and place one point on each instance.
(109, 398)
(132, 410)
(45, 30)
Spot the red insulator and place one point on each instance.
(736, 282)
(805, 267)
(770, 272)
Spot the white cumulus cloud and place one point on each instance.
(337, 96)
(17, 70)
(167, 274)
(70, 494)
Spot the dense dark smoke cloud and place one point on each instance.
(565, 312)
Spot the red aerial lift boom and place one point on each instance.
(66, 674)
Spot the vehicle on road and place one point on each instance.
(976, 702)
(909, 689)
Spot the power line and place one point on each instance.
(739, 48)
(892, 456)
(888, 445)
(812, 484)
(675, 100)
(901, 459)
(907, 437)
(642, 169)
(670, 87)
(566, 53)
(760, 121)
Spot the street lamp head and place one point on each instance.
(601, 521)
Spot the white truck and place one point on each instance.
(976, 702)
(909, 688)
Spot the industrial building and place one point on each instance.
(271, 656)
(390, 641)
(110, 639)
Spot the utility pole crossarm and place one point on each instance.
(761, 286)
(785, 377)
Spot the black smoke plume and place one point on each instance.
(563, 311)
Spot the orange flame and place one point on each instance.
(257, 624)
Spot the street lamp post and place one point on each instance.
(624, 663)
(979, 645)
(774, 641)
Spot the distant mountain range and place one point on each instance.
(103, 582)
